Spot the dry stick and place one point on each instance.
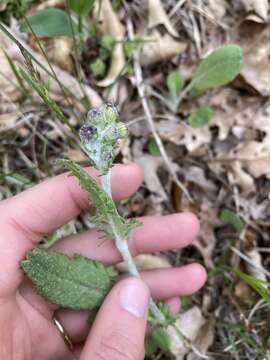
(249, 261)
(141, 91)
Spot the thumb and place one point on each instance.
(119, 329)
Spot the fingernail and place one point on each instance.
(134, 297)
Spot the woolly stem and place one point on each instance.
(122, 247)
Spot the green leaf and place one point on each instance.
(169, 319)
(150, 345)
(98, 68)
(186, 301)
(76, 283)
(219, 68)
(107, 42)
(231, 218)
(51, 22)
(81, 7)
(175, 83)
(107, 219)
(200, 117)
(131, 46)
(158, 339)
(259, 285)
(153, 148)
(162, 339)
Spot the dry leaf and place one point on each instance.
(190, 323)
(147, 262)
(238, 176)
(259, 7)
(160, 48)
(179, 133)
(204, 339)
(197, 176)
(206, 241)
(244, 293)
(8, 121)
(157, 16)
(150, 165)
(256, 62)
(57, 49)
(109, 24)
(218, 8)
(256, 259)
(254, 157)
(59, 52)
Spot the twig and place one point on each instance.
(249, 261)
(141, 91)
(176, 7)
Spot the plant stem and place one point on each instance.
(122, 247)
(106, 183)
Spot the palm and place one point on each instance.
(26, 320)
(30, 334)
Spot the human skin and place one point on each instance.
(27, 330)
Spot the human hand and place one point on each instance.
(27, 329)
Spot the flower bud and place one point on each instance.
(87, 131)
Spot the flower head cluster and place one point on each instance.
(100, 134)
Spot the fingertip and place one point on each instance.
(200, 273)
(189, 226)
(126, 179)
(191, 222)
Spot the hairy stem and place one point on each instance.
(106, 183)
(122, 247)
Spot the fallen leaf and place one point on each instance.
(157, 16)
(204, 339)
(58, 50)
(8, 121)
(260, 8)
(254, 157)
(146, 262)
(159, 47)
(109, 24)
(218, 8)
(256, 62)
(179, 133)
(151, 164)
(206, 241)
(190, 323)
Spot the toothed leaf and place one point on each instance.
(107, 219)
(72, 282)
